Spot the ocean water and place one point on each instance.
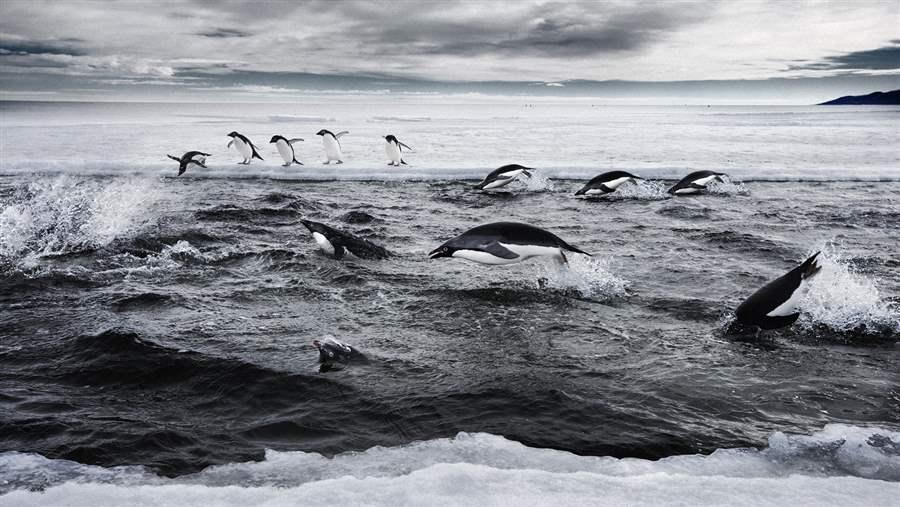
(155, 332)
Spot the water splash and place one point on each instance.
(727, 187)
(590, 277)
(66, 215)
(538, 182)
(845, 301)
(644, 190)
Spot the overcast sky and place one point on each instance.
(67, 48)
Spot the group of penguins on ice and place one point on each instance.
(773, 306)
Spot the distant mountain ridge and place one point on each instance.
(891, 98)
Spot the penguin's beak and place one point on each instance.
(439, 252)
(317, 344)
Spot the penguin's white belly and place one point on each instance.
(393, 152)
(332, 148)
(595, 191)
(614, 184)
(323, 243)
(243, 148)
(704, 180)
(524, 252)
(789, 307)
(498, 183)
(682, 191)
(287, 154)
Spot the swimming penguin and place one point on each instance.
(606, 183)
(332, 145)
(503, 176)
(190, 157)
(504, 243)
(244, 146)
(334, 354)
(775, 304)
(393, 148)
(333, 242)
(286, 149)
(695, 182)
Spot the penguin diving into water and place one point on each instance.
(334, 242)
(332, 145)
(244, 146)
(503, 176)
(394, 148)
(190, 157)
(286, 149)
(505, 243)
(695, 182)
(775, 305)
(606, 183)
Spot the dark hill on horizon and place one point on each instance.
(891, 98)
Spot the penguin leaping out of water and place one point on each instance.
(190, 157)
(775, 304)
(606, 183)
(334, 242)
(332, 145)
(505, 243)
(244, 146)
(695, 182)
(394, 148)
(503, 176)
(286, 149)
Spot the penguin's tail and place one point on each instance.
(403, 162)
(566, 246)
(297, 161)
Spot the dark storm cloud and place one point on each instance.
(224, 33)
(883, 58)
(12, 45)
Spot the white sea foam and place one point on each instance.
(645, 190)
(839, 465)
(727, 187)
(538, 182)
(844, 300)
(62, 215)
(591, 277)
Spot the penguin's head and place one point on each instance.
(275, 139)
(390, 139)
(445, 250)
(313, 226)
(322, 132)
(233, 134)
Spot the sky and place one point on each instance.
(757, 49)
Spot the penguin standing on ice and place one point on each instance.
(695, 182)
(394, 148)
(286, 149)
(775, 304)
(244, 146)
(191, 157)
(332, 145)
(503, 176)
(606, 183)
(505, 243)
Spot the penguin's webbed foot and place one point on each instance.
(339, 162)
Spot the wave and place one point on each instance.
(838, 465)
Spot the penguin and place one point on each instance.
(695, 182)
(503, 176)
(332, 145)
(190, 157)
(393, 148)
(286, 149)
(244, 146)
(334, 354)
(334, 242)
(606, 183)
(775, 304)
(505, 243)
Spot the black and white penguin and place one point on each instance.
(695, 182)
(775, 304)
(503, 176)
(334, 354)
(394, 148)
(190, 157)
(244, 146)
(332, 145)
(334, 242)
(286, 149)
(505, 243)
(606, 183)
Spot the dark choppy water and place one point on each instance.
(168, 322)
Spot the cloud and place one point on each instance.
(879, 59)
(21, 46)
(224, 33)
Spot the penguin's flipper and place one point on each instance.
(697, 186)
(606, 189)
(496, 249)
(339, 252)
(201, 164)
(230, 143)
(405, 146)
(341, 134)
(176, 159)
(295, 140)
